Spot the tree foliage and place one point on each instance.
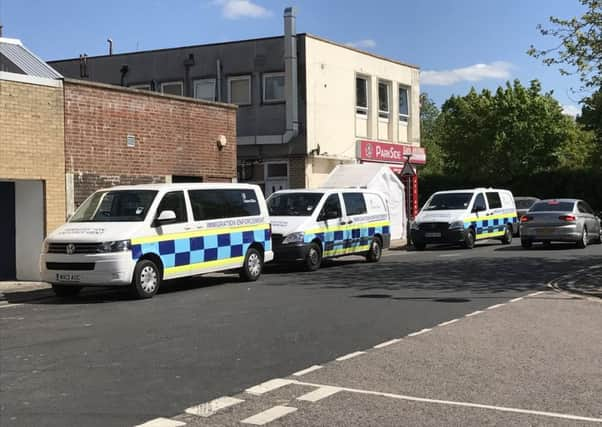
(580, 44)
(429, 113)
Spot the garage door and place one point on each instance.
(7, 231)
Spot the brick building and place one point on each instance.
(61, 139)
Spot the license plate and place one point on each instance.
(427, 235)
(545, 231)
(65, 277)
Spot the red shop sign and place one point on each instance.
(372, 151)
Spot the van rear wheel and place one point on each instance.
(507, 239)
(469, 239)
(147, 279)
(375, 251)
(66, 291)
(252, 266)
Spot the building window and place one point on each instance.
(142, 86)
(273, 87)
(172, 88)
(239, 90)
(361, 96)
(277, 170)
(383, 100)
(404, 106)
(204, 89)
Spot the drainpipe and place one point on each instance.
(124, 70)
(189, 62)
(290, 73)
(218, 74)
(110, 42)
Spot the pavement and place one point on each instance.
(105, 359)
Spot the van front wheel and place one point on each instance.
(252, 266)
(147, 279)
(313, 259)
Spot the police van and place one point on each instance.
(143, 234)
(310, 225)
(464, 217)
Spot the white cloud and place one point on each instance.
(235, 9)
(571, 110)
(472, 73)
(362, 44)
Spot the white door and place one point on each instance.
(276, 177)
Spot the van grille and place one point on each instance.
(70, 266)
(434, 226)
(79, 248)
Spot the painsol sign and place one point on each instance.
(372, 151)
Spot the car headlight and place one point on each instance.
(294, 238)
(116, 246)
(456, 224)
(414, 225)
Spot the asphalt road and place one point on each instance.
(103, 359)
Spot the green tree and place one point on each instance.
(429, 113)
(580, 44)
(515, 132)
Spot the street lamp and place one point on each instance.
(408, 171)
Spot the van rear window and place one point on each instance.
(217, 204)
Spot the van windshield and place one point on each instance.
(448, 201)
(115, 206)
(293, 204)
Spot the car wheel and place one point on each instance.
(526, 244)
(469, 239)
(598, 240)
(375, 251)
(584, 240)
(147, 279)
(419, 246)
(313, 259)
(66, 291)
(252, 266)
(507, 239)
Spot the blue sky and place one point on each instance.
(457, 43)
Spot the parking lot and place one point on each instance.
(478, 344)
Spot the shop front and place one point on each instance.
(401, 158)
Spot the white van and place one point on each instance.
(143, 234)
(465, 216)
(310, 225)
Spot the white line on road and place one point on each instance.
(449, 322)
(423, 331)
(268, 416)
(474, 313)
(448, 255)
(9, 305)
(350, 355)
(209, 408)
(494, 306)
(516, 299)
(387, 343)
(319, 394)
(464, 404)
(267, 386)
(307, 371)
(534, 294)
(162, 422)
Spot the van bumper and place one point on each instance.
(291, 252)
(445, 236)
(112, 269)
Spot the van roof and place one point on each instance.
(326, 190)
(183, 186)
(472, 190)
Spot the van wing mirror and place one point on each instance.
(165, 217)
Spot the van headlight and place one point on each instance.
(456, 224)
(116, 246)
(294, 238)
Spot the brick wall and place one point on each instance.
(31, 141)
(174, 136)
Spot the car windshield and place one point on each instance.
(524, 203)
(294, 204)
(115, 206)
(552, 206)
(448, 201)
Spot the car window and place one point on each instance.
(174, 201)
(552, 206)
(354, 203)
(332, 204)
(524, 203)
(493, 198)
(479, 203)
(217, 204)
(587, 208)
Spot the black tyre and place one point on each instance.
(507, 239)
(147, 279)
(313, 260)
(375, 252)
(252, 266)
(584, 240)
(66, 290)
(526, 244)
(469, 239)
(598, 240)
(419, 246)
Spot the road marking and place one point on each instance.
(516, 299)
(319, 394)
(162, 422)
(474, 313)
(307, 371)
(387, 343)
(456, 403)
(9, 305)
(448, 255)
(494, 306)
(268, 416)
(413, 334)
(267, 386)
(534, 294)
(449, 322)
(209, 408)
(350, 356)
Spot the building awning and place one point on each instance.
(13, 51)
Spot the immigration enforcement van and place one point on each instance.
(310, 225)
(140, 235)
(464, 217)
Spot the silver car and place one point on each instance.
(560, 220)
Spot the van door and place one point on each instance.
(330, 220)
(496, 225)
(479, 210)
(356, 218)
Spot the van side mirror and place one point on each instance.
(165, 217)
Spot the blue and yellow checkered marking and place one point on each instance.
(347, 239)
(490, 226)
(207, 248)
